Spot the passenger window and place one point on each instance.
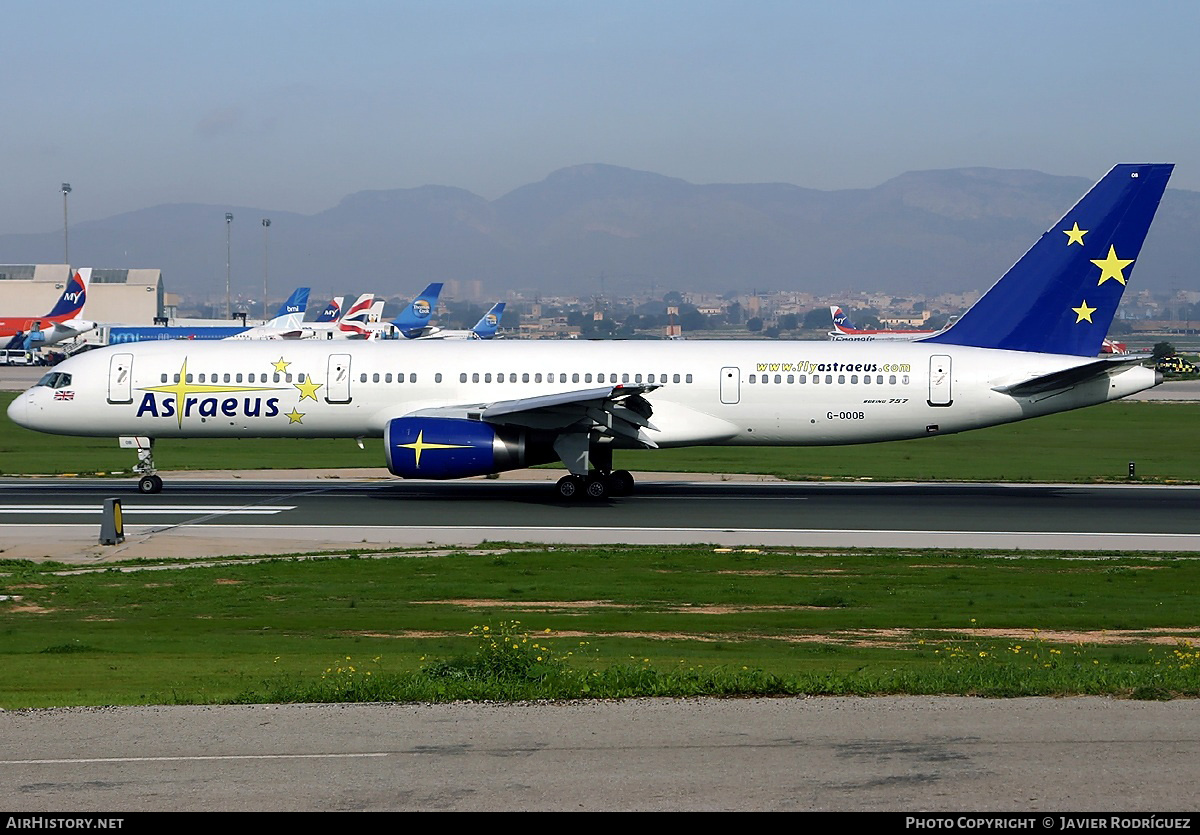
(675, 378)
(475, 377)
(791, 378)
(387, 378)
(574, 378)
(525, 377)
(462, 378)
(512, 377)
(753, 378)
(537, 378)
(802, 379)
(829, 379)
(778, 378)
(688, 378)
(163, 379)
(375, 377)
(437, 378)
(487, 378)
(891, 379)
(587, 378)
(854, 379)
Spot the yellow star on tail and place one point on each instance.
(1075, 235)
(1112, 266)
(1083, 312)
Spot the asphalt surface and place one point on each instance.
(273, 513)
(901, 754)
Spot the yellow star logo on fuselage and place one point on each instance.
(294, 416)
(182, 389)
(308, 388)
(418, 446)
(280, 365)
(1112, 266)
(1075, 235)
(1083, 312)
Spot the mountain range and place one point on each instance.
(601, 228)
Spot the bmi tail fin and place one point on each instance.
(1060, 298)
(487, 326)
(415, 317)
(71, 302)
(291, 312)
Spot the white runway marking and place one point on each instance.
(130, 510)
(95, 760)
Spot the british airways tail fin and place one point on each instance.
(841, 320)
(487, 326)
(353, 322)
(1060, 298)
(332, 311)
(291, 312)
(414, 318)
(71, 302)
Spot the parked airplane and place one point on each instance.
(27, 333)
(291, 312)
(412, 323)
(843, 329)
(485, 328)
(332, 311)
(1026, 348)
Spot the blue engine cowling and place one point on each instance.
(428, 447)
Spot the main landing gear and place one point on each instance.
(595, 486)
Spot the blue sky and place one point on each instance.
(289, 106)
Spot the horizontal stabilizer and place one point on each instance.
(1066, 378)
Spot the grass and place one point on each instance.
(1087, 445)
(410, 626)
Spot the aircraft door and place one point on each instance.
(337, 380)
(120, 378)
(731, 383)
(939, 381)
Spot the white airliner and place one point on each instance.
(454, 409)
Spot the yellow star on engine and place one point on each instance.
(418, 446)
(308, 388)
(1075, 235)
(294, 416)
(1083, 312)
(281, 366)
(1112, 266)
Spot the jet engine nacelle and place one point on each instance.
(429, 447)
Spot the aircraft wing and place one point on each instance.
(617, 411)
(1068, 377)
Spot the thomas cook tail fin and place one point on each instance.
(1060, 298)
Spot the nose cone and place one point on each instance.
(18, 410)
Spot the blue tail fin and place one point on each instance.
(71, 302)
(487, 326)
(332, 311)
(416, 316)
(297, 302)
(841, 319)
(1060, 298)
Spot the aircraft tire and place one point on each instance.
(596, 488)
(621, 483)
(148, 484)
(570, 487)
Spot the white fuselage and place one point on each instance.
(759, 393)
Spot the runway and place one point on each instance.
(60, 518)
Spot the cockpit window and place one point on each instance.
(55, 380)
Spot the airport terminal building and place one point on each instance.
(130, 296)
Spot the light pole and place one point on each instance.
(228, 224)
(66, 189)
(266, 263)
